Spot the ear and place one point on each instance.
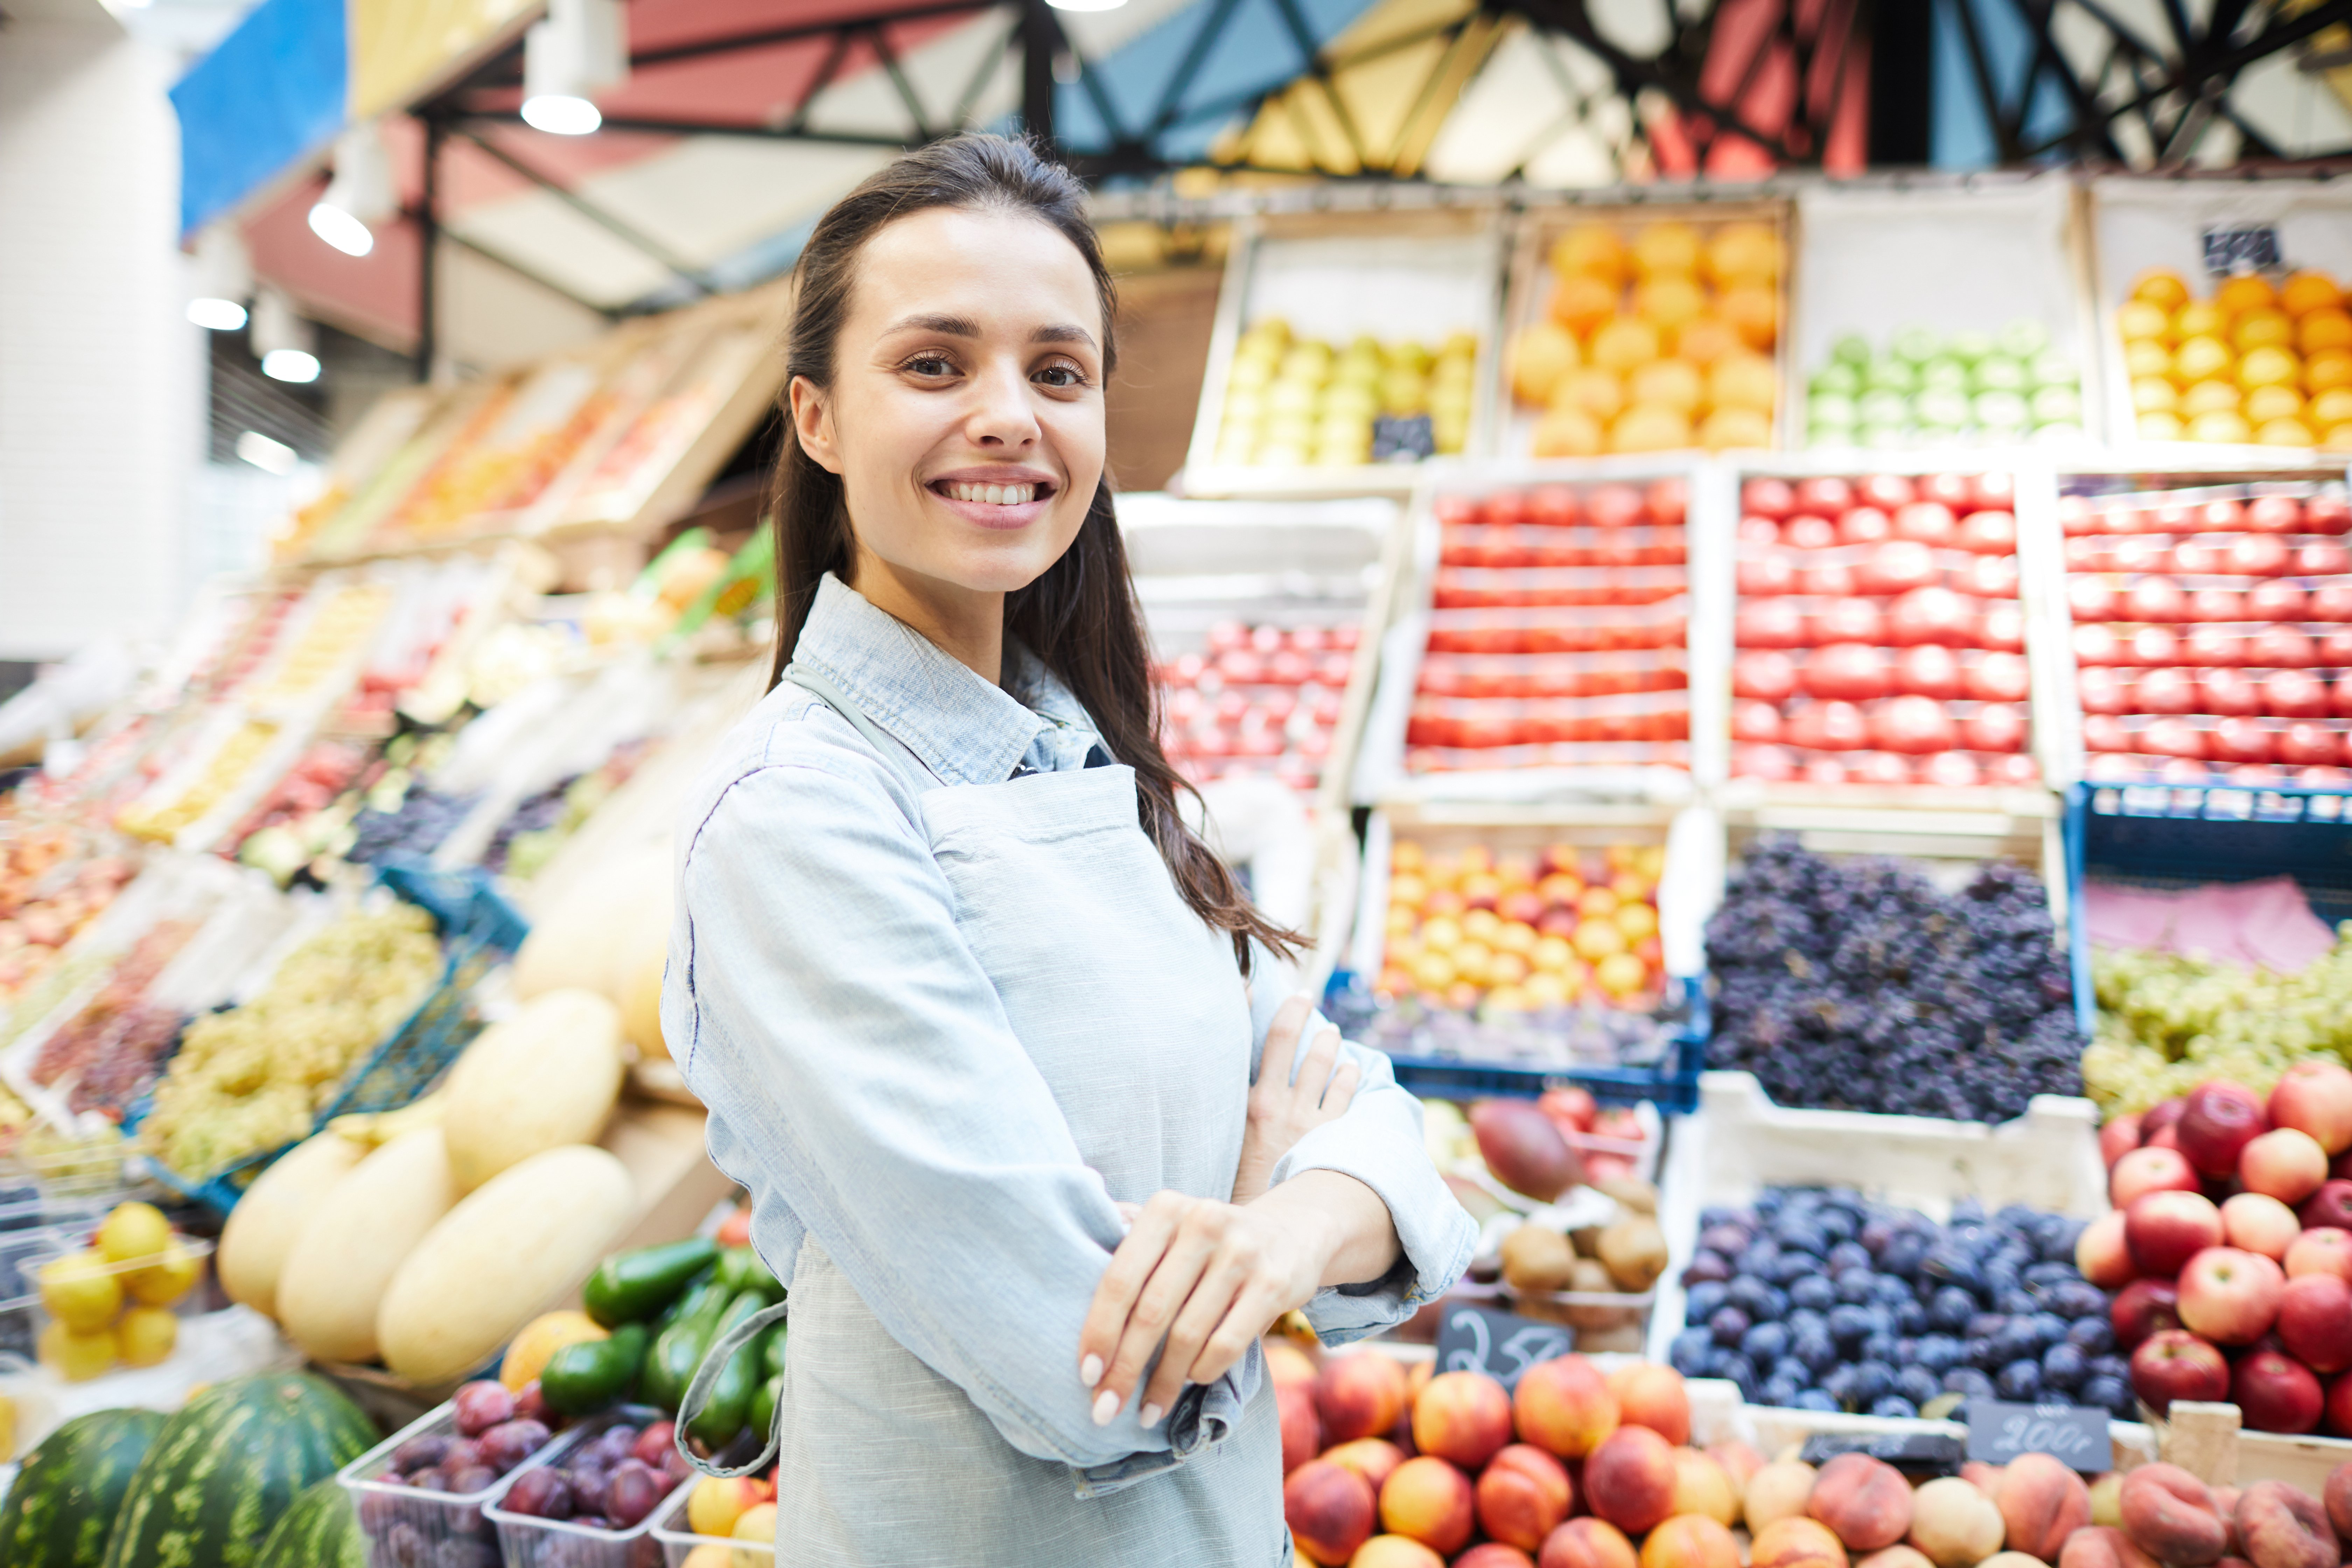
(812, 423)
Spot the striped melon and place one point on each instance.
(321, 1531)
(63, 1505)
(224, 1469)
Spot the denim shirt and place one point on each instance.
(824, 1001)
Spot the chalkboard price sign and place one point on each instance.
(2232, 250)
(1501, 1345)
(2075, 1436)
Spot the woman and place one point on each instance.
(966, 1000)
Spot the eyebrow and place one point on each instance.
(965, 326)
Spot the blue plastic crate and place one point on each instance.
(2175, 835)
(480, 930)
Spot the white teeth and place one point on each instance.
(994, 495)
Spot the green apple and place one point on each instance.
(2052, 368)
(1943, 372)
(2023, 339)
(1853, 349)
(1836, 378)
(1883, 406)
(1884, 438)
(1997, 373)
(1915, 344)
(1968, 347)
(2000, 410)
(2056, 404)
(1942, 406)
(1890, 376)
(1831, 408)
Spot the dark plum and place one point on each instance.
(543, 1493)
(420, 1454)
(505, 1446)
(1729, 1325)
(480, 1406)
(1703, 1302)
(655, 1444)
(1896, 1406)
(2064, 1367)
(1765, 1344)
(464, 1552)
(404, 1546)
(472, 1479)
(1706, 1266)
(1952, 1308)
(1813, 1292)
(2091, 1336)
(1917, 1384)
(1689, 1351)
(636, 1489)
(1818, 1399)
(1968, 1381)
(2018, 1382)
(1847, 1255)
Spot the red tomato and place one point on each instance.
(1754, 720)
(2001, 626)
(1230, 707)
(1994, 490)
(1241, 667)
(1309, 639)
(1226, 636)
(2221, 517)
(2238, 739)
(1773, 765)
(2086, 554)
(1997, 677)
(1825, 579)
(2257, 555)
(1551, 506)
(2322, 558)
(1823, 770)
(2307, 744)
(1667, 502)
(2252, 775)
(2152, 646)
(1754, 529)
(2293, 694)
(1768, 573)
(1769, 497)
(2328, 513)
(1613, 506)
(1851, 671)
(1912, 725)
(1767, 675)
(1896, 567)
(1928, 521)
(2334, 650)
(1289, 668)
(2173, 738)
(2097, 645)
(1828, 727)
(2091, 599)
(1805, 531)
(2217, 604)
(2342, 693)
(1953, 490)
(2200, 558)
(2282, 648)
(2015, 768)
(1932, 614)
(1848, 620)
(1991, 576)
(2075, 517)
(1881, 768)
(2171, 518)
(2278, 599)
(2207, 646)
(1929, 670)
(1887, 490)
(1344, 637)
(1506, 507)
(1865, 525)
(1827, 496)
(2155, 599)
(2104, 732)
(1265, 639)
(2167, 691)
(1333, 667)
(1990, 532)
(2231, 692)
(1453, 510)
(1769, 623)
(1188, 670)
(1951, 770)
(2101, 688)
(2139, 554)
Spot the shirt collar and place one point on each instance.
(962, 728)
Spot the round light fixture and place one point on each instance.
(340, 229)
(290, 364)
(559, 114)
(217, 315)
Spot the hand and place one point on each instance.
(1282, 1113)
(1207, 1277)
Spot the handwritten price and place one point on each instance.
(1468, 1341)
(2036, 1435)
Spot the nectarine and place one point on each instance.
(1430, 1501)
(1587, 1543)
(1565, 1407)
(1652, 1395)
(1464, 1416)
(1630, 1480)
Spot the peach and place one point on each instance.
(1330, 1509)
(1418, 1379)
(2256, 1222)
(1652, 1395)
(2012, 1560)
(1955, 1525)
(1796, 1542)
(1360, 1395)
(2315, 1098)
(1430, 1501)
(1302, 1429)
(1587, 1543)
(1565, 1407)
(2285, 1164)
(1285, 1362)
(1374, 1459)
(1630, 1480)
(1522, 1496)
(2100, 1252)
(2042, 1502)
(2102, 1546)
(1866, 1500)
(1739, 1461)
(2337, 1497)
(1985, 1478)
(2171, 1515)
(1896, 1557)
(1690, 1541)
(1464, 1416)
(1701, 1486)
(1778, 1491)
(1493, 1554)
(2106, 1499)
(2149, 1169)
(2283, 1527)
(2323, 1251)
(1394, 1551)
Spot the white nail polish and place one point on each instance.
(1090, 1370)
(1151, 1414)
(1106, 1407)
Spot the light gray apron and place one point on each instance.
(1131, 1009)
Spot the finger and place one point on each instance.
(1163, 1296)
(1114, 1293)
(1315, 1072)
(1282, 1043)
(1251, 1313)
(1344, 1084)
(1204, 1310)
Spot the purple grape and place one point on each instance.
(505, 1446)
(636, 1488)
(540, 1494)
(482, 1405)
(420, 1454)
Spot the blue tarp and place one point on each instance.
(270, 96)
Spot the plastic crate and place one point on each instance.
(679, 1543)
(479, 931)
(2174, 836)
(1671, 1085)
(403, 1525)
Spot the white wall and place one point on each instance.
(101, 388)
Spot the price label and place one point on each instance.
(2232, 250)
(1916, 1453)
(2077, 1437)
(1501, 1345)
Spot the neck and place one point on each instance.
(965, 624)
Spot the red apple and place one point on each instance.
(2314, 1322)
(2100, 1252)
(2276, 1394)
(2104, 732)
(2330, 1208)
(2165, 1229)
(2293, 694)
(1928, 521)
(2283, 1164)
(2241, 739)
(1769, 623)
(1887, 492)
(1988, 532)
(2230, 1296)
(1768, 496)
(2177, 1365)
(1848, 620)
(2118, 1138)
(2326, 1250)
(2105, 691)
(2150, 1170)
(2339, 1420)
(1995, 727)
(2315, 1098)
(2255, 556)
(2260, 1224)
(2143, 1308)
(2075, 516)
(2001, 628)
(1929, 669)
(1825, 578)
(2167, 692)
(1865, 525)
(2217, 604)
(2228, 691)
(1754, 720)
(2161, 1115)
(1827, 496)
(2307, 744)
(2156, 599)
(2219, 1120)
(1998, 677)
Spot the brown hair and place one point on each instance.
(1080, 617)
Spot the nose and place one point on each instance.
(1001, 417)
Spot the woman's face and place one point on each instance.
(965, 416)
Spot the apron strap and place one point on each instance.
(889, 746)
(706, 1376)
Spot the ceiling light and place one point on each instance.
(290, 364)
(217, 315)
(340, 229)
(581, 48)
(271, 457)
(360, 195)
(220, 278)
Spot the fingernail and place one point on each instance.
(1151, 1414)
(1090, 1370)
(1106, 1407)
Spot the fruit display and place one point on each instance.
(233, 1459)
(1556, 631)
(107, 1054)
(161, 819)
(64, 1502)
(539, 826)
(2212, 633)
(250, 1079)
(1594, 1278)
(1652, 342)
(1826, 1299)
(1293, 402)
(111, 1303)
(1253, 700)
(321, 1531)
(422, 1501)
(333, 628)
(1858, 984)
(644, 455)
(2168, 1021)
(728, 1519)
(609, 1483)
(1926, 388)
(1879, 638)
(54, 880)
(522, 444)
(2255, 362)
(2248, 1298)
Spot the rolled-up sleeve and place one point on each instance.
(836, 1021)
(1378, 1141)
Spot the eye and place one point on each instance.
(1064, 375)
(929, 364)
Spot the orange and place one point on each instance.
(1624, 343)
(2264, 328)
(2210, 398)
(2248, 291)
(1666, 248)
(1566, 432)
(1665, 383)
(1731, 427)
(2285, 433)
(2153, 395)
(2162, 288)
(2307, 291)
(2328, 370)
(2329, 327)
(1743, 253)
(1743, 381)
(2159, 428)
(2331, 407)
(1753, 311)
(1668, 300)
(2139, 320)
(2264, 404)
(2268, 367)
(1703, 340)
(1540, 357)
(1649, 428)
(2220, 425)
(2199, 318)
(1580, 302)
(2147, 357)
(2202, 358)
(1592, 391)
(1589, 250)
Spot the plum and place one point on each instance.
(655, 1444)
(540, 1494)
(481, 1405)
(635, 1492)
(509, 1444)
(420, 1454)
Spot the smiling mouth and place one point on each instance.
(993, 495)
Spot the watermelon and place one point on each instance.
(321, 1531)
(222, 1469)
(63, 1505)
